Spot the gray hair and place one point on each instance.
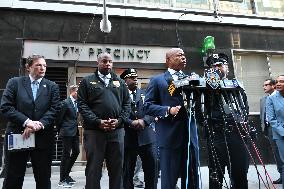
(73, 88)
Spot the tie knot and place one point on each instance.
(35, 82)
(180, 75)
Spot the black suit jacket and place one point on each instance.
(262, 112)
(134, 138)
(17, 105)
(67, 119)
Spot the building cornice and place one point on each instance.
(184, 15)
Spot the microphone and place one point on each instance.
(105, 24)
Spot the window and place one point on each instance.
(274, 8)
(269, 8)
(150, 3)
(252, 70)
(277, 65)
(195, 4)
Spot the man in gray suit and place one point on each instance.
(275, 116)
(269, 89)
(68, 130)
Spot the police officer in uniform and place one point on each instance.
(139, 137)
(224, 113)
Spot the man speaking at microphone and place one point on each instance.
(165, 101)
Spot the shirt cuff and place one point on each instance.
(167, 112)
(24, 125)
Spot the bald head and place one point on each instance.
(172, 51)
(104, 63)
(175, 59)
(102, 55)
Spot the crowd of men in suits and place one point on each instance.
(116, 128)
(272, 118)
(121, 122)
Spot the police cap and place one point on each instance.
(130, 72)
(217, 59)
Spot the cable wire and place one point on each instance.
(84, 42)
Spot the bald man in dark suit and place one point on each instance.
(172, 125)
(30, 103)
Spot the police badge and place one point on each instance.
(116, 83)
(212, 78)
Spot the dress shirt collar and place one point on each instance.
(132, 91)
(273, 93)
(72, 98)
(108, 76)
(131, 94)
(32, 79)
(172, 72)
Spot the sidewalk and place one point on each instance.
(79, 175)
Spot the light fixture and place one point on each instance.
(105, 24)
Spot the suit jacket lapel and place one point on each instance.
(138, 95)
(280, 99)
(42, 87)
(168, 77)
(27, 85)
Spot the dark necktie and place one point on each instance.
(75, 106)
(133, 104)
(133, 96)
